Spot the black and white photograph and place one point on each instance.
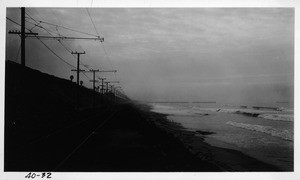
(108, 90)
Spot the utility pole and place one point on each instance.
(23, 35)
(94, 81)
(77, 70)
(30, 34)
(110, 82)
(116, 92)
(106, 87)
(102, 85)
(102, 79)
(94, 74)
(78, 60)
(112, 89)
(112, 93)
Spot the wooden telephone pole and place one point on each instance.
(78, 60)
(102, 79)
(110, 82)
(30, 34)
(102, 85)
(106, 87)
(94, 74)
(78, 71)
(22, 35)
(94, 81)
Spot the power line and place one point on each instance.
(40, 26)
(18, 53)
(92, 21)
(48, 31)
(68, 28)
(37, 13)
(38, 23)
(30, 17)
(56, 54)
(106, 54)
(16, 23)
(108, 59)
(13, 21)
(87, 76)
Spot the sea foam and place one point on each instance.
(278, 117)
(283, 134)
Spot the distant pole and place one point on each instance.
(102, 85)
(94, 103)
(23, 36)
(113, 90)
(94, 72)
(78, 60)
(111, 93)
(94, 88)
(106, 87)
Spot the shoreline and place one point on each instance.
(224, 158)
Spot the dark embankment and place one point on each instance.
(44, 131)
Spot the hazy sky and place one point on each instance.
(165, 54)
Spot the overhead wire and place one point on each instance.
(46, 45)
(55, 53)
(48, 31)
(18, 53)
(106, 54)
(38, 24)
(13, 21)
(16, 23)
(68, 28)
(58, 33)
(41, 27)
(56, 26)
(92, 21)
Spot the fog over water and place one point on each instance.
(167, 54)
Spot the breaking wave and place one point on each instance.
(278, 117)
(282, 115)
(283, 134)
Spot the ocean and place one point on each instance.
(262, 131)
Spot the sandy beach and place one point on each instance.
(225, 159)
